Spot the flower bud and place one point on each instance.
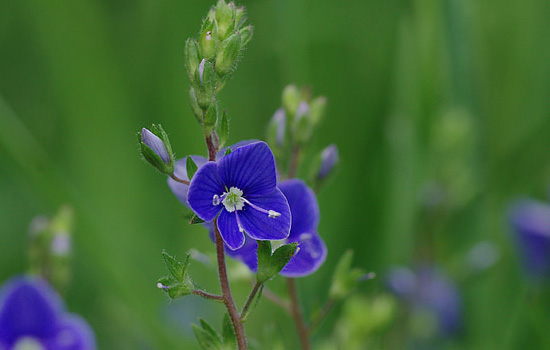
(207, 39)
(191, 56)
(197, 111)
(302, 123)
(156, 149)
(277, 129)
(317, 109)
(227, 55)
(204, 84)
(239, 13)
(291, 100)
(329, 158)
(211, 118)
(225, 19)
(246, 35)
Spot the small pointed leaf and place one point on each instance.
(191, 167)
(229, 338)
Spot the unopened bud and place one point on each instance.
(277, 128)
(329, 158)
(191, 56)
(246, 35)
(207, 40)
(225, 19)
(205, 84)
(227, 55)
(239, 13)
(302, 123)
(317, 109)
(197, 111)
(156, 149)
(291, 100)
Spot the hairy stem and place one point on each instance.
(175, 178)
(208, 295)
(297, 314)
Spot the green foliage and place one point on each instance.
(345, 277)
(209, 339)
(191, 167)
(270, 263)
(179, 283)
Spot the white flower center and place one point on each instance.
(28, 343)
(233, 199)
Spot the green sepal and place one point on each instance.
(269, 265)
(197, 111)
(205, 88)
(195, 220)
(224, 129)
(228, 332)
(179, 283)
(207, 337)
(239, 16)
(208, 39)
(191, 167)
(211, 119)
(191, 57)
(228, 54)
(225, 19)
(246, 35)
(317, 109)
(345, 278)
(228, 151)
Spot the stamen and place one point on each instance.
(270, 213)
(241, 229)
(216, 200)
(161, 286)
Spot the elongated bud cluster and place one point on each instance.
(212, 57)
(156, 149)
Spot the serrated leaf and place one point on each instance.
(224, 129)
(229, 337)
(175, 267)
(206, 340)
(210, 330)
(191, 167)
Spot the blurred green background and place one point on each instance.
(429, 100)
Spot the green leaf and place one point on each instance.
(229, 337)
(228, 151)
(191, 167)
(270, 265)
(206, 339)
(175, 267)
(345, 277)
(224, 129)
(210, 330)
(195, 220)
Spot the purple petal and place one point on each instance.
(329, 158)
(156, 144)
(233, 147)
(229, 230)
(250, 168)
(259, 225)
(28, 307)
(303, 206)
(248, 254)
(205, 185)
(180, 170)
(73, 333)
(311, 255)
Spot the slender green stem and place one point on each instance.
(175, 178)
(297, 314)
(248, 303)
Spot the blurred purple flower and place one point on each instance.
(240, 191)
(428, 290)
(305, 218)
(32, 316)
(329, 158)
(530, 220)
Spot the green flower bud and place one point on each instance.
(211, 118)
(227, 55)
(225, 19)
(191, 56)
(239, 13)
(208, 39)
(291, 100)
(197, 111)
(317, 109)
(204, 84)
(246, 35)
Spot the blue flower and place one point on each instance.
(530, 220)
(427, 291)
(180, 189)
(240, 190)
(305, 218)
(32, 316)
